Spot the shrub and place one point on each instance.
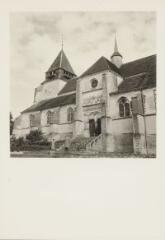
(11, 123)
(34, 141)
(16, 144)
(35, 136)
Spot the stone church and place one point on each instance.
(111, 107)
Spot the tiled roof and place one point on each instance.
(146, 64)
(100, 65)
(52, 103)
(69, 86)
(135, 82)
(138, 74)
(61, 61)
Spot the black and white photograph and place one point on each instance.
(82, 120)
(83, 84)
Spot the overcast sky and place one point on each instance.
(36, 40)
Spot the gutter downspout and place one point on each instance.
(145, 132)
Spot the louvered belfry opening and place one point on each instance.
(60, 68)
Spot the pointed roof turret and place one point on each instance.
(60, 68)
(61, 61)
(116, 51)
(116, 57)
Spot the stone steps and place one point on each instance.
(79, 144)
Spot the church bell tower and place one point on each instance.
(58, 74)
(60, 68)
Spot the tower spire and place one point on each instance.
(116, 47)
(61, 52)
(62, 42)
(116, 51)
(116, 56)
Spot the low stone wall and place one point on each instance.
(119, 143)
(144, 144)
(151, 144)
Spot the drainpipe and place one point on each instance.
(145, 129)
(105, 97)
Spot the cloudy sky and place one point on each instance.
(36, 40)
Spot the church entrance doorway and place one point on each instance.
(94, 127)
(98, 127)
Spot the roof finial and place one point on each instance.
(115, 33)
(116, 47)
(116, 51)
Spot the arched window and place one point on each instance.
(49, 117)
(32, 120)
(70, 114)
(124, 107)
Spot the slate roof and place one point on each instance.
(69, 86)
(138, 74)
(100, 65)
(61, 61)
(133, 83)
(52, 103)
(146, 64)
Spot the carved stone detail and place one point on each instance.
(93, 100)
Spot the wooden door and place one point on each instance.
(98, 127)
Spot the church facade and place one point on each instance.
(111, 106)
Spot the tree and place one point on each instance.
(11, 123)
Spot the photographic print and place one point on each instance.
(83, 84)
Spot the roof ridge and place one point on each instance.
(90, 67)
(136, 75)
(102, 64)
(41, 104)
(153, 55)
(107, 61)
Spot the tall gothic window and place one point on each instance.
(49, 117)
(124, 107)
(70, 114)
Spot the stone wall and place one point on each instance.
(119, 136)
(149, 101)
(48, 90)
(119, 142)
(140, 133)
(60, 130)
(145, 139)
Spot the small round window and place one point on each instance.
(94, 83)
